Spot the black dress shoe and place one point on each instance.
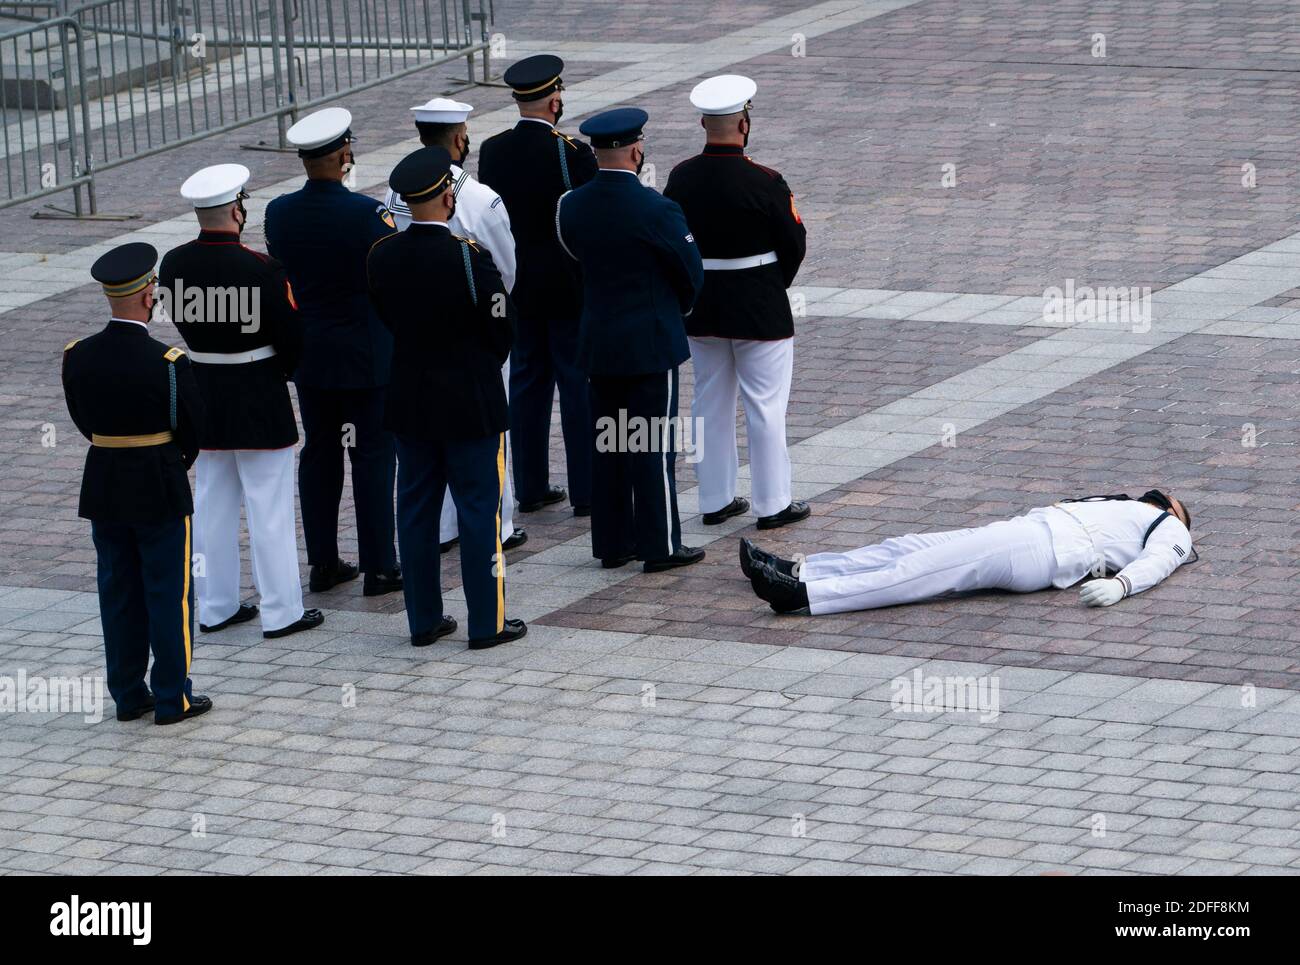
(377, 584)
(199, 706)
(737, 507)
(783, 593)
(751, 555)
(145, 708)
(245, 613)
(444, 547)
(448, 625)
(614, 562)
(683, 557)
(796, 511)
(581, 511)
(330, 575)
(517, 539)
(514, 629)
(553, 495)
(309, 620)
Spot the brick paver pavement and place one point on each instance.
(672, 723)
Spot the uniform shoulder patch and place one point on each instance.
(70, 344)
(172, 354)
(385, 216)
(495, 201)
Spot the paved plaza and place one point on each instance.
(953, 161)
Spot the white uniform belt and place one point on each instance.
(735, 264)
(233, 358)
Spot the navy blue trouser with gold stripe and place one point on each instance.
(475, 471)
(146, 602)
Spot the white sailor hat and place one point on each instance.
(442, 110)
(216, 185)
(321, 133)
(725, 94)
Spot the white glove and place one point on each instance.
(1101, 592)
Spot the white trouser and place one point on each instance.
(1014, 554)
(761, 373)
(263, 480)
(449, 526)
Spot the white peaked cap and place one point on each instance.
(318, 129)
(214, 186)
(725, 94)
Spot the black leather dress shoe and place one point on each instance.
(683, 557)
(517, 539)
(444, 547)
(581, 511)
(377, 584)
(329, 575)
(796, 511)
(513, 630)
(448, 625)
(737, 507)
(245, 613)
(750, 555)
(553, 495)
(309, 620)
(614, 562)
(199, 706)
(137, 713)
(783, 593)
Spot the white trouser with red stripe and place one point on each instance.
(449, 526)
(1014, 554)
(759, 371)
(263, 482)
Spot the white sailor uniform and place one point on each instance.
(1050, 546)
(481, 216)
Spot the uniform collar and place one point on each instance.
(127, 324)
(536, 120)
(430, 224)
(723, 150)
(209, 237)
(324, 184)
(611, 174)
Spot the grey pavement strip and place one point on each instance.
(829, 459)
(30, 277)
(627, 752)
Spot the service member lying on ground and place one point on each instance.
(1141, 541)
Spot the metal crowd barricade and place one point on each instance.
(113, 81)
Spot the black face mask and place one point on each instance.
(464, 155)
(559, 112)
(243, 212)
(640, 163)
(747, 127)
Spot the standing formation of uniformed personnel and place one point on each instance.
(480, 216)
(741, 332)
(136, 400)
(530, 166)
(641, 273)
(321, 235)
(235, 310)
(453, 325)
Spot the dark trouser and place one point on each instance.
(146, 601)
(326, 415)
(476, 472)
(544, 355)
(634, 493)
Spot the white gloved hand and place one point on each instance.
(1101, 592)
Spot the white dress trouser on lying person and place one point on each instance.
(1014, 554)
(760, 372)
(449, 526)
(262, 480)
